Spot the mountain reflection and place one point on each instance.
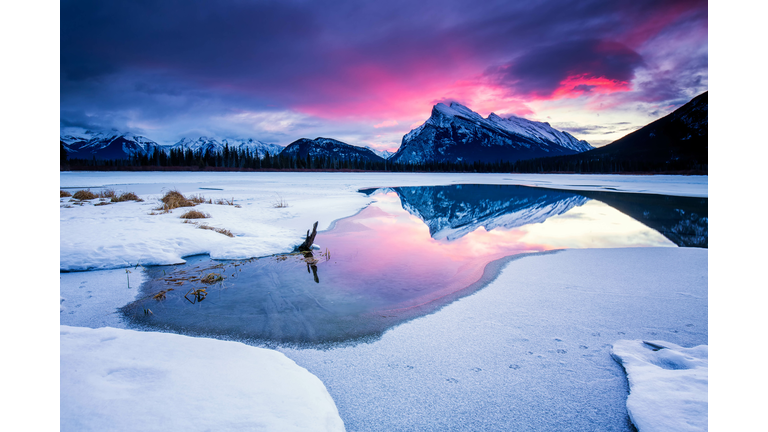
(454, 211)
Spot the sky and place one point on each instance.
(366, 73)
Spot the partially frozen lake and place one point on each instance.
(528, 351)
(408, 253)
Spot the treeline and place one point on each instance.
(245, 160)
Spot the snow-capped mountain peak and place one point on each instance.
(455, 133)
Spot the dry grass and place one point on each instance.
(126, 196)
(280, 203)
(107, 193)
(224, 231)
(224, 201)
(64, 194)
(101, 203)
(194, 214)
(212, 278)
(83, 195)
(199, 199)
(174, 199)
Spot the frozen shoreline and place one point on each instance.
(124, 234)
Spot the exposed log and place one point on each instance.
(307, 245)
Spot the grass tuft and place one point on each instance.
(194, 214)
(126, 196)
(107, 193)
(224, 231)
(64, 194)
(212, 278)
(82, 195)
(199, 199)
(174, 199)
(280, 202)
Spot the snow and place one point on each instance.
(530, 351)
(125, 380)
(668, 384)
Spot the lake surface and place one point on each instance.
(412, 251)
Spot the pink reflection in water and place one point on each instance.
(386, 242)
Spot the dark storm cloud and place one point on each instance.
(164, 59)
(540, 72)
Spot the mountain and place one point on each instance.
(675, 142)
(384, 154)
(118, 145)
(329, 149)
(681, 136)
(202, 144)
(110, 145)
(259, 148)
(456, 133)
(213, 145)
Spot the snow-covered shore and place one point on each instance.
(531, 350)
(125, 380)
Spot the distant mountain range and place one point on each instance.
(455, 133)
(117, 145)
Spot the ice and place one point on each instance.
(124, 380)
(668, 384)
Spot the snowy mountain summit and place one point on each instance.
(456, 133)
(215, 146)
(107, 145)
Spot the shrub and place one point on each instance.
(64, 194)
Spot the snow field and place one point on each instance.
(668, 385)
(124, 380)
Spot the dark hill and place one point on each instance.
(673, 143)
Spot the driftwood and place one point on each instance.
(307, 245)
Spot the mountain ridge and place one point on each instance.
(455, 133)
